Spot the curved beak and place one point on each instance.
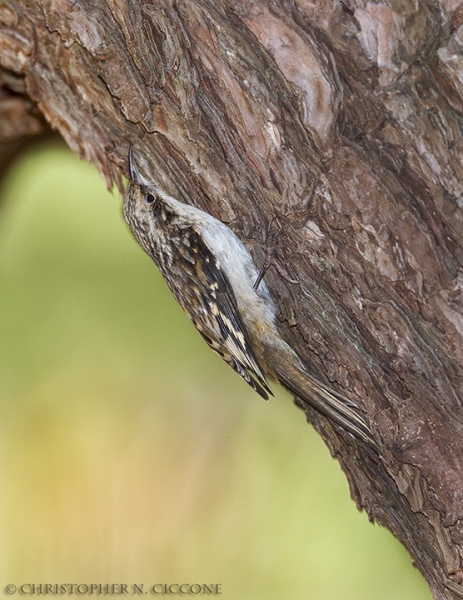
(134, 174)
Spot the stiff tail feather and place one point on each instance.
(327, 401)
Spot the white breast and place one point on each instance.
(234, 259)
(240, 270)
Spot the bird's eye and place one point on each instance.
(149, 198)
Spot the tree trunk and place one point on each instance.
(331, 131)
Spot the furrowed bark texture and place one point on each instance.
(333, 131)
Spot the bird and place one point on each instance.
(213, 277)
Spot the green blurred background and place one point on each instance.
(129, 452)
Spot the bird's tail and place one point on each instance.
(327, 401)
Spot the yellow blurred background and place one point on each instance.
(129, 452)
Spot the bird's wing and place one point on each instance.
(214, 312)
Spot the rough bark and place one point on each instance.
(20, 121)
(344, 121)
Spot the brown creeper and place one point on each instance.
(212, 276)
